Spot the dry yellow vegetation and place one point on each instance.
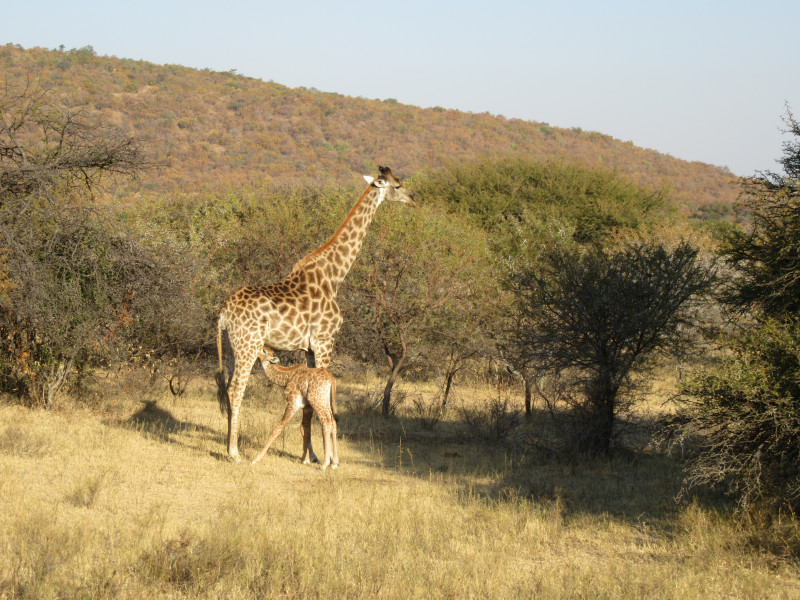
(220, 130)
(133, 498)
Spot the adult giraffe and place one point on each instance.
(300, 312)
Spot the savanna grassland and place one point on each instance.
(131, 497)
(534, 255)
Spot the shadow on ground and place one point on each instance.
(158, 423)
(635, 483)
(632, 483)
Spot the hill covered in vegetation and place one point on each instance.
(210, 130)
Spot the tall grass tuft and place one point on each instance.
(497, 420)
(18, 441)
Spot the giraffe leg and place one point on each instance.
(330, 403)
(305, 427)
(241, 374)
(291, 408)
(326, 419)
(322, 349)
(334, 444)
(321, 398)
(318, 398)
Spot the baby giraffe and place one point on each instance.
(309, 389)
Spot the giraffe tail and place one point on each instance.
(222, 394)
(222, 385)
(334, 410)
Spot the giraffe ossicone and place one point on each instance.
(300, 312)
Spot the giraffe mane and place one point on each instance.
(326, 245)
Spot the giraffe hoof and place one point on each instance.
(235, 459)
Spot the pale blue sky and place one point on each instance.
(704, 81)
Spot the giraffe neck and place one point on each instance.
(280, 375)
(335, 257)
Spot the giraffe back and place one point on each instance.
(283, 316)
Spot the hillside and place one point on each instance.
(209, 129)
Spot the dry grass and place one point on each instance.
(134, 498)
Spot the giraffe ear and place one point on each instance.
(369, 179)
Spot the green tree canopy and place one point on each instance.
(594, 201)
(417, 269)
(599, 314)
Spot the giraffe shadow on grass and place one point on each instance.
(155, 422)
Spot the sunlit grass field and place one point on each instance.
(126, 493)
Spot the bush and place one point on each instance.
(742, 420)
(427, 413)
(82, 295)
(499, 192)
(744, 416)
(498, 420)
(75, 288)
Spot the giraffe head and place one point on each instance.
(390, 186)
(267, 355)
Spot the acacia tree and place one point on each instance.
(525, 203)
(464, 329)
(766, 257)
(600, 314)
(744, 415)
(70, 283)
(460, 334)
(47, 150)
(408, 278)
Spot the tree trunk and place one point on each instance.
(526, 378)
(55, 380)
(448, 383)
(602, 396)
(387, 391)
(395, 364)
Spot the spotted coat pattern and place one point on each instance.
(300, 312)
(313, 390)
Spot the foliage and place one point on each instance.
(524, 204)
(76, 287)
(767, 256)
(426, 413)
(497, 420)
(75, 291)
(246, 236)
(501, 192)
(415, 268)
(744, 415)
(45, 147)
(602, 314)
